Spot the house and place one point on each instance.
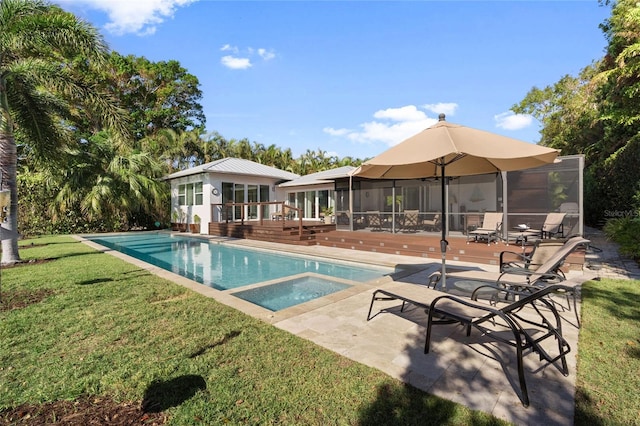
(315, 192)
(523, 196)
(203, 189)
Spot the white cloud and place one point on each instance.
(405, 113)
(229, 48)
(336, 132)
(510, 121)
(236, 63)
(391, 126)
(266, 55)
(134, 16)
(442, 107)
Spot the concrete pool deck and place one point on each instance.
(474, 371)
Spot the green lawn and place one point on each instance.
(107, 328)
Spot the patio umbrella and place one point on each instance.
(450, 150)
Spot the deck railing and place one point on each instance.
(281, 213)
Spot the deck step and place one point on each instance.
(425, 245)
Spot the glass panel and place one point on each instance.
(300, 202)
(181, 195)
(189, 194)
(323, 200)
(252, 197)
(197, 188)
(264, 197)
(532, 194)
(238, 198)
(310, 205)
(411, 197)
(227, 197)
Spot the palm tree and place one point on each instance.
(39, 43)
(106, 184)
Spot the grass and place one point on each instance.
(107, 328)
(609, 354)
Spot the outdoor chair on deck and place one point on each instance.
(552, 226)
(490, 228)
(410, 221)
(443, 308)
(285, 214)
(374, 220)
(432, 224)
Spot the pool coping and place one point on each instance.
(226, 297)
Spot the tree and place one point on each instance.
(598, 114)
(39, 43)
(157, 95)
(106, 184)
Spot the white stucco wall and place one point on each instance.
(212, 194)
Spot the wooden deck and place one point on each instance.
(421, 244)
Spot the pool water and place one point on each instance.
(291, 292)
(224, 267)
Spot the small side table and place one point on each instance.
(522, 234)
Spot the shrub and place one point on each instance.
(626, 232)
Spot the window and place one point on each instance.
(182, 191)
(190, 194)
(197, 191)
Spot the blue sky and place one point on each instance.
(353, 78)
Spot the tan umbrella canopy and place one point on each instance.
(451, 150)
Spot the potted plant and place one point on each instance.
(182, 224)
(328, 215)
(174, 220)
(195, 226)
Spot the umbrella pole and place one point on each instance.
(443, 242)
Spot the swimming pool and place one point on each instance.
(224, 267)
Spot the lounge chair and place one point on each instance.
(432, 224)
(522, 337)
(410, 220)
(530, 277)
(542, 251)
(490, 228)
(443, 308)
(552, 226)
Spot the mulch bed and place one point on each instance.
(84, 411)
(18, 299)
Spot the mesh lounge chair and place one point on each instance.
(490, 228)
(530, 277)
(443, 308)
(552, 226)
(542, 251)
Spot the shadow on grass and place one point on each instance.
(620, 302)
(96, 281)
(126, 277)
(224, 340)
(406, 405)
(164, 394)
(586, 413)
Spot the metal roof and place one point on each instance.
(326, 176)
(236, 166)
